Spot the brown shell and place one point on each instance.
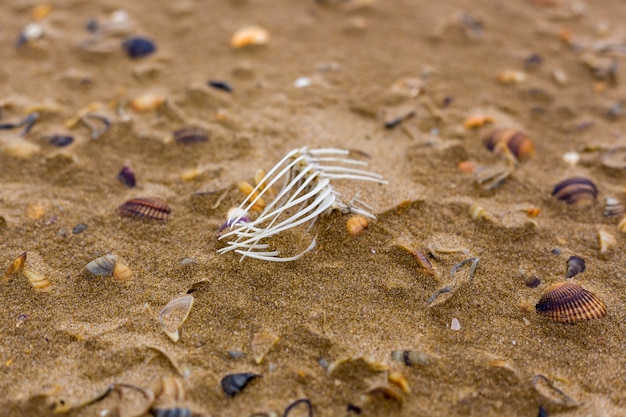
(577, 191)
(190, 135)
(518, 143)
(566, 302)
(145, 208)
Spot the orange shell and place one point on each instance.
(518, 143)
(356, 225)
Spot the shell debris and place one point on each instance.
(511, 77)
(102, 266)
(16, 266)
(412, 357)
(261, 345)
(548, 391)
(146, 102)
(174, 314)
(613, 207)
(477, 121)
(250, 35)
(606, 241)
(169, 388)
(567, 302)
(191, 135)
(503, 140)
(423, 263)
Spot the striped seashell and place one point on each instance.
(566, 302)
(613, 207)
(576, 191)
(146, 208)
(518, 143)
(37, 280)
(234, 383)
(102, 266)
(575, 266)
(190, 135)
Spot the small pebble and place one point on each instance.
(79, 228)
(302, 82)
(455, 325)
(138, 47)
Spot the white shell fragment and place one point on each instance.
(571, 158)
(455, 325)
(261, 344)
(174, 314)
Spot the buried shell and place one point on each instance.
(138, 47)
(261, 345)
(576, 191)
(102, 266)
(615, 158)
(547, 390)
(575, 266)
(169, 388)
(517, 143)
(145, 208)
(613, 207)
(190, 135)
(37, 280)
(423, 263)
(174, 314)
(566, 302)
(234, 383)
(412, 357)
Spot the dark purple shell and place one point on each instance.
(576, 191)
(138, 47)
(145, 208)
(189, 135)
(127, 176)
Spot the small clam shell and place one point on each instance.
(356, 225)
(102, 266)
(261, 345)
(250, 35)
(146, 102)
(169, 388)
(190, 135)
(567, 302)
(516, 141)
(174, 314)
(412, 357)
(234, 383)
(121, 272)
(575, 266)
(547, 390)
(613, 207)
(37, 280)
(576, 191)
(145, 208)
(16, 266)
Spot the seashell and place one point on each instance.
(127, 176)
(571, 158)
(575, 266)
(79, 228)
(169, 388)
(35, 211)
(467, 167)
(474, 122)
(121, 272)
(346, 367)
(547, 390)
(576, 191)
(606, 241)
(250, 35)
(356, 225)
(171, 412)
(566, 302)
(190, 135)
(138, 47)
(146, 102)
(146, 208)
(234, 383)
(511, 77)
(455, 324)
(220, 85)
(615, 158)
(613, 207)
(399, 380)
(621, 226)
(422, 261)
(532, 211)
(516, 141)
(261, 344)
(37, 280)
(60, 141)
(41, 11)
(247, 189)
(31, 32)
(532, 281)
(385, 393)
(16, 266)
(412, 357)
(174, 314)
(477, 212)
(102, 266)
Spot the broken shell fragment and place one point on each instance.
(422, 261)
(102, 266)
(547, 390)
(145, 208)
(399, 380)
(37, 280)
(615, 158)
(499, 140)
(476, 121)
(234, 383)
(16, 266)
(575, 266)
(261, 345)
(357, 224)
(250, 35)
(606, 241)
(576, 191)
(121, 272)
(621, 226)
(613, 207)
(169, 388)
(174, 314)
(511, 77)
(566, 302)
(191, 135)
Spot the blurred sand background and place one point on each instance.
(357, 297)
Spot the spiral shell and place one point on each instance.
(566, 302)
(145, 208)
(576, 191)
(102, 266)
(234, 383)
(518, 143)
(575, 266)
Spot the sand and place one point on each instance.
(343, 308)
